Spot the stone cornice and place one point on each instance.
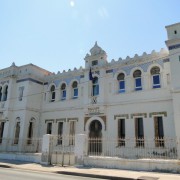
(172, 42)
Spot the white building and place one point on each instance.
(136, 98)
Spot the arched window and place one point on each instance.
(137, 80)
(155, 74)
(75, 89)
(0, 93)
(53, 93)
(1, 130)
(17, 131)
(30, 131)
(95, 86)
(63, 91)
(5, 93)
(121, 82)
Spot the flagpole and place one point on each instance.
(91, 79)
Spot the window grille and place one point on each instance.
(121, 132)
(159, 131)
(139, 132)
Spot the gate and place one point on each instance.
(62, 150)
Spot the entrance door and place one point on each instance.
(95, 138)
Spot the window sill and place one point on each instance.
(52, 101)
(59, 145)
(121, 92)
(156, 87)
(138, 89)
(120, 146)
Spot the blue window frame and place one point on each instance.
(95, 87)
(75, 93)
(95, 90)
(75, 90)
(156, 81)
(155, 72)
(121, 86)
(63, 91)
(138, 84)
(64, 94)
(121, 81)
(137, 79)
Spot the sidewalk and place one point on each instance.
(90, 172)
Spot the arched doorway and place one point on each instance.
(95, 137)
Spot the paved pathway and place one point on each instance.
(89, 171)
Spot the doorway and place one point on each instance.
(95, 138)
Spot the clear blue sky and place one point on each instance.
(57, 34)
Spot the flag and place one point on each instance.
(90, 75)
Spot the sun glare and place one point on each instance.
(72, 3)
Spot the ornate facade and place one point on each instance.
(136, 97)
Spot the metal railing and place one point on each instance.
(163, 148)
(63, 144)
(33, 145)
(62, 150)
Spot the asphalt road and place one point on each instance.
(16, 174)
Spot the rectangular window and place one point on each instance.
(21, 90)
(95, 62)
(138, 84)
(53, 96)
(159, 131)
(60, 133)
(71, 132)
(95, 90)
(49, 128)
(121, 86)
(17, 132)
(156, 81)
(1, 131)
(63, 94)
(30, 133)
(75, 92)
(121, 132)
(139, 132)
